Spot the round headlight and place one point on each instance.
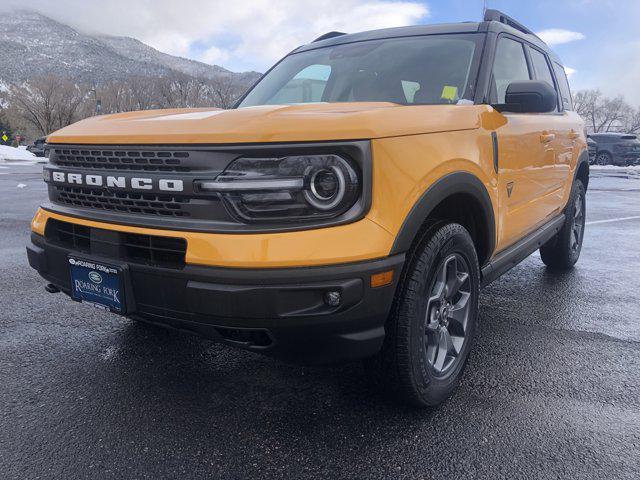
(327, 187)
(287, 189)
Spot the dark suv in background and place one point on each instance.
(592, 146)
(616, 149)
(38, 147)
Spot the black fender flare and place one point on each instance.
(451, 184)
(583, 159)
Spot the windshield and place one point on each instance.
(425, 70)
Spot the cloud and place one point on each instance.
(622, 72)
(214, 56)
(569, 71)
(251, 34)
(558, 36)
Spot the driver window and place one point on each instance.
(510, 65)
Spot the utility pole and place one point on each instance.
(94, 90)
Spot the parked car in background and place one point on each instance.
(616, 149)
(593, 150)
(38, 147)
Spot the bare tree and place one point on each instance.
(143, 94)
(225, 92)
(586, 103)
(633, 122)
(47, 103)
(69, 99)
(612, 114)
(43, 105)
(604, 114)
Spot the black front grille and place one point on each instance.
(147, 160)
(149, 249)
(150, 204)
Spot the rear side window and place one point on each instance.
(541, 67)
(563, 83)
(510, 65)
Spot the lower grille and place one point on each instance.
(148, 249)
(69, 235)
(246, 336)
(150, 204)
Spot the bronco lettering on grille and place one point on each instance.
(111, 181)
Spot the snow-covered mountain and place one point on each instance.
(33, 45)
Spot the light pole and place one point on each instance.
(98, 101)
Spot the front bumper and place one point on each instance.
(279, 312)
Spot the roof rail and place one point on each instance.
(498, 16)
(328, 35)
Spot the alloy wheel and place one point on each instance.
(448, 309)
(577, 228)
(602, 159)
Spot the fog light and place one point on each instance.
(333, 298)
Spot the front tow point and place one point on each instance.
(51, 288)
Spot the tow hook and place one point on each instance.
(51, 288)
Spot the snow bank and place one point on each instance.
(9, 154)
(614, 168)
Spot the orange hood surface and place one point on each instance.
(270, 123)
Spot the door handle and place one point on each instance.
(573, 135)
(547, 137)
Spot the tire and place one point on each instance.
(431, 327)
(563, 250)
(603, 158)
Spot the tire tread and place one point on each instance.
(556, 252)
(392, 369)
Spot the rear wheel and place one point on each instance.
(431, 328)
(563, 250)
(603, 158)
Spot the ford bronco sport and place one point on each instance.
(351, 206)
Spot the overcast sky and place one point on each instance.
(598, 40)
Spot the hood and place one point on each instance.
(270, 123)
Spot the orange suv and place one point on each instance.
(351, 206)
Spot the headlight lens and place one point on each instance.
(286, 189)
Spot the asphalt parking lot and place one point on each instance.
(552, 389)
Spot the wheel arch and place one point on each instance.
(458, 196)
(582, 169)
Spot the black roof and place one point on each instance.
(489, 25)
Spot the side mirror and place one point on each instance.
(529, 96)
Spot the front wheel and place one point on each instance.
(432, 325)
(563, 250)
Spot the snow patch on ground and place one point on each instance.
(614, 168)
(11, 154)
